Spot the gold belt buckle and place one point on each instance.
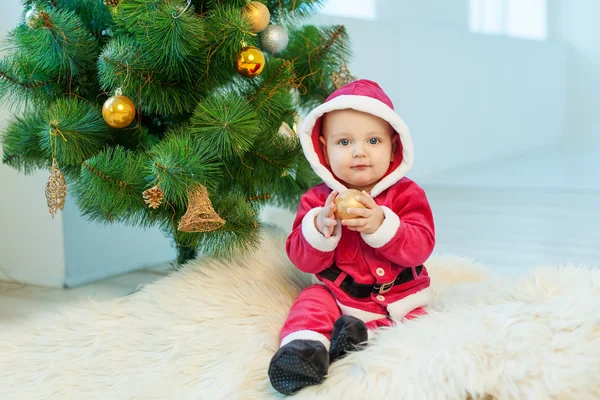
(386, 287)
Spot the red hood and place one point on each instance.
(366, 96)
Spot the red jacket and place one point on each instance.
(405, 240)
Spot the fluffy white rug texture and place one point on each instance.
(209, 330)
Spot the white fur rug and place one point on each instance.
(209, 331)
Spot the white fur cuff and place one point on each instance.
(386, 231)
(316, 238)
(400, 308)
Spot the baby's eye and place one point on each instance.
(344, 142)
(374, 141)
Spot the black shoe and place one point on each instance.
(298, 364)
(348, 335)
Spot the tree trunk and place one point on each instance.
(185, 254)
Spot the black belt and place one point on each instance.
(361, 290)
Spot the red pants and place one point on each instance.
(315, 311)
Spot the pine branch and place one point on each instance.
(74, 131)
(172, 39)
(259, 169)
(110, 188)
(317, 54)
(226, 32)
(21, 144)
(33, 85)
(23, 83)
(63, 46)
(273, 99)
(225, 123)
(334, 37)
(290, 11)
(122, 65)
(179, 162)
(93, 13)
(105, 177)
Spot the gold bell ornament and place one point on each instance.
(200, 215)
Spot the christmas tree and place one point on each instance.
(170, 113)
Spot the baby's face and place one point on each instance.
(358, 147)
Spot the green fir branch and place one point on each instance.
(122, 65)
(22, 82)
(259, 169)
(93, 13)
(290, 11)
(73, 131)
(21, 143)
(179, 162)
(110, 188)
(61, 45)
(173, 40)
(227, 124)
(300, 177)
(274, 99)
(226, 32)
(317, 54)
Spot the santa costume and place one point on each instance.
(364, 281)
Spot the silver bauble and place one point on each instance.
(33, 17)
(274, 39)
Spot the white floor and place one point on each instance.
(19, 302)
(539, 207)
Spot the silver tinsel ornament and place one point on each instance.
(274, 39)
(33, 17)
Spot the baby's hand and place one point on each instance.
(325, 220)
(369, 218)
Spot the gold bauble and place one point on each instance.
(118, 111)
(346, 200)
(257, 14)
(249, 62)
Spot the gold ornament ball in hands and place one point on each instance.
(118, 111)
(257, 14)
(346, 200)
(249, 62)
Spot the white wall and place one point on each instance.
(575, 26)
(466, 98)
(31, 242)
(96, 251)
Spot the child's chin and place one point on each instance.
(360, 183)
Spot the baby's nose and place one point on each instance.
(358, 151)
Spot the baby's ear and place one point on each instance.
(324, 149)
